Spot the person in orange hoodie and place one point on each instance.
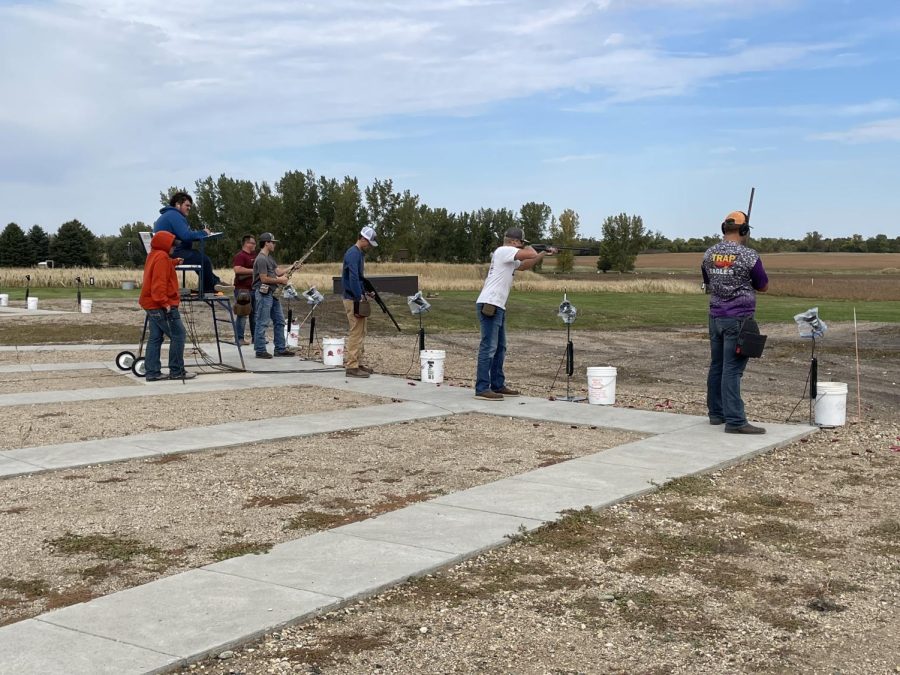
(160, 299)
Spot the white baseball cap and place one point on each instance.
(369, 234)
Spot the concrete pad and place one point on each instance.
(525, 499)
(336, 565)
(52, 367)
(33, 647)
(82, 453)
(15, 467)
(190, 614)
(627, 419)
(622, 481)
(441, 528)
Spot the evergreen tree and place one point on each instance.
(15, 250)
(75, 246)
(40, 243)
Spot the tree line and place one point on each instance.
(300, 206)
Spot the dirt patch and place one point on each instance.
(19, 383)
(118, 525)
(30, 357)
(742, 589)
(52, 423)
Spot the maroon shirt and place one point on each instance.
(243, 259)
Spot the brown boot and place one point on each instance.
(356, 372)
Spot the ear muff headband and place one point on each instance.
(737, 218)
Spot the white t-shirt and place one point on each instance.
(499, 279)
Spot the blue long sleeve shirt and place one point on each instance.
(172, 220)
(352, 273)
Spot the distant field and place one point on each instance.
(821, 263)
(784, 262)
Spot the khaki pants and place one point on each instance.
(355, 349)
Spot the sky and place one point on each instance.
(667, 109)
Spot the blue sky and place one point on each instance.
(670, 109)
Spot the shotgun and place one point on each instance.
(371, 289)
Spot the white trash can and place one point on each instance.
(601, 385)
(432, 361)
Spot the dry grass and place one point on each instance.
(432, 277)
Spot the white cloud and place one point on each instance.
(587, 157)
(873, 132)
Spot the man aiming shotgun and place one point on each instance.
(733, 274)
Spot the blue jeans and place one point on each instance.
(170, 326)
(723, 384)
(194, 257)
(240, 322)
(268, 310)
(491, 351)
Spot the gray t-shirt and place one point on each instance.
(264, 264)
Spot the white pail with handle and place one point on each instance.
(432, 365)
(86, 306)
(4, 299)
(333, 351)
(32, 302)
(601, 385)
(831, 404)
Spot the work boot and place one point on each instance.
(746, 429)
(366, 369)
(356, 372)
(286, 352)
(263, 355)
(716, 421)
(183, 376)
(506, 391)
(489, 395)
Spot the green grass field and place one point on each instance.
(455, 310)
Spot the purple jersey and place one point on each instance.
(732, 274)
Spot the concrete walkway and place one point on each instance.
(165, 624)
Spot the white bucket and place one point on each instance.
(831, 404)
(32, 302)
(333, 351)
(4, 299)
(86, 306)
(601, 385)
(432, 365)
(293, 336)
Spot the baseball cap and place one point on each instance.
(266, 236)
(516, 233)
(369, 234)
(736, 218)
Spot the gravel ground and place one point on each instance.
(14, 383)
(788, 563)
(118, 525)
(52, 423)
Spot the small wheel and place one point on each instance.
(124, 360)
(139, 367)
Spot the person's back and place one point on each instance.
(732, 272)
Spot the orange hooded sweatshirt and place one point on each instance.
(160, 288)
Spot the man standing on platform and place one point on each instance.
(160, 299)
(514, 254)
(243, 284)
(733, 274)
(356, 304)
(267, 275)
(173, 218)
